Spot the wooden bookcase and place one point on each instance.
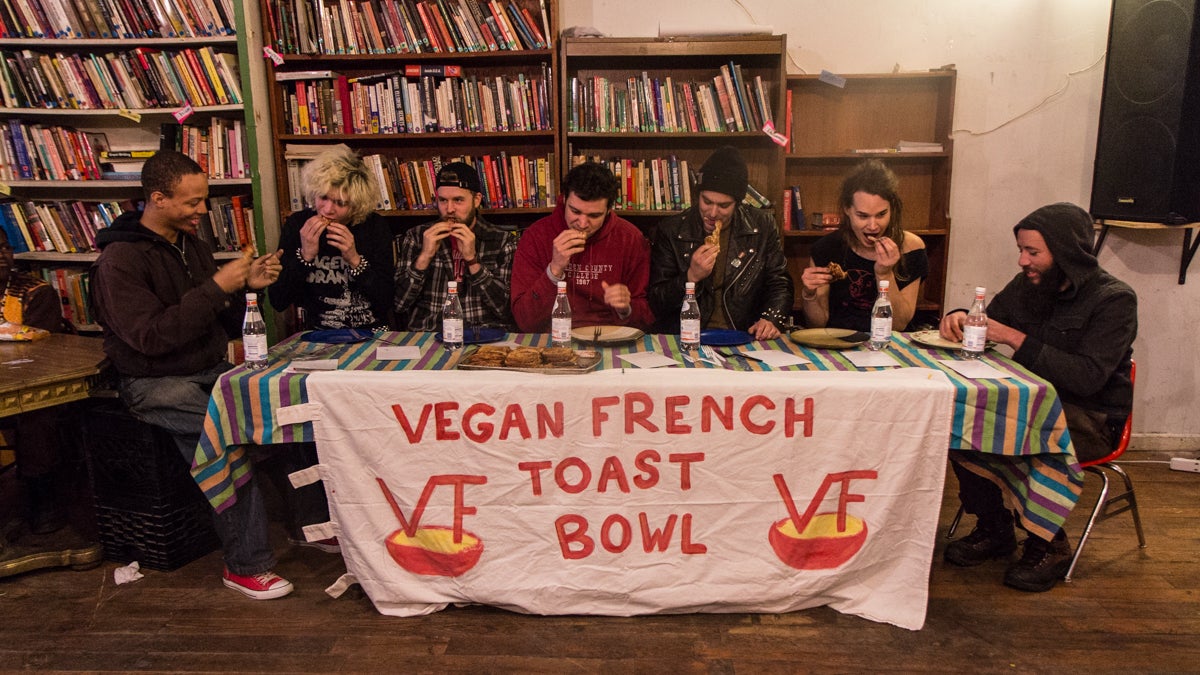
(589, 60)
(376, 61)
(124, 128)
(832, 127)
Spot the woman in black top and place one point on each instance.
(870, 245)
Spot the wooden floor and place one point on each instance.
(1128, 610)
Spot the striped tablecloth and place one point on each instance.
(1016, 424)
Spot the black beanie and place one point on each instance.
(459, 175)
(724, 172)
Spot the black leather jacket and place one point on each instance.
(757, 282)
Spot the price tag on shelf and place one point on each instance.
(273, 55)
(5, 190)
(780, 139)
(129, 114)
(184, 112)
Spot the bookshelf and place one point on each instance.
(419, 84)
(110, 83)
(833, 128)
(641, 100)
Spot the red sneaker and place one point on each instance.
(329, 545)
(264, 586)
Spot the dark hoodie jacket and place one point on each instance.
(1084, 344)
(161, 311)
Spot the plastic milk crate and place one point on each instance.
(148, 507)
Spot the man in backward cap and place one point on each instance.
(1073, 323)
(730, 250)
(459, 246)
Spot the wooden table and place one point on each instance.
(48, 372)
(35, 375)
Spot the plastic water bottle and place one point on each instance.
(452, 318)
(689, 319)
(254, 334)
(975, 327)
(881, 319)
(560, 318)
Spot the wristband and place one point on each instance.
(360, 267)
(306, 263)
(472, 261)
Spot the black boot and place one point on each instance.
(1041, 565)
(45, 513)
(992, 538)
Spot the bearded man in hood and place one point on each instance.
(1072, 323)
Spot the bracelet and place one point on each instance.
(360, 267)
(806, 296)
(306, 263)
(472, 261)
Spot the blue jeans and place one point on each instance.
(179, 405)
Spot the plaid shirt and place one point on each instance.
(483, 295)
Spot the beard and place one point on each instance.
(468, 220)
(1039, 298)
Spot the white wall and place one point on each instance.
(1030, 75)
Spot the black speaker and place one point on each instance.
(1148, 148)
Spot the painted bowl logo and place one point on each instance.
(434, 550)
(820, 546)
(819, 541)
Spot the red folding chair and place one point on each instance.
(1107, 506)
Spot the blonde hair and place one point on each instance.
(340, 173)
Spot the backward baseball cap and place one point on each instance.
(459, 175)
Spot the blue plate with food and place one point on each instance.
(338, 336)
(479, 336)
(725, 337)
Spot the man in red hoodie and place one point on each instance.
(604, 259)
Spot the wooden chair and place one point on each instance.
(1106, 506)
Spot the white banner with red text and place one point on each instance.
(627, 492)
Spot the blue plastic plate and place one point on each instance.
(480, 336)
(338, 336)
(725, 337)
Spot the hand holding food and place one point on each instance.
(836, 273)
(568, 243)
(310, 236)
(714, 238)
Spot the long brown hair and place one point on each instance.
(873, 177)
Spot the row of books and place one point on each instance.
(74, 288)
(115, 19)
(135, 79)
(62, 226)
(658, 183)
(49, 152)
(507, 181)
(654, 184)
(397, 104)
(404, 26)
(730, 102)
(219, 147)
(229, 225)
(46, 152)
(71, 226)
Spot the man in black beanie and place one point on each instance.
(730, 250)
(1073, 323)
